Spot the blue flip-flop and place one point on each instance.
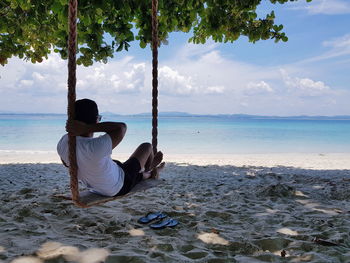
(150, 217)
(168, 222)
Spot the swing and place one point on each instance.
(86, 198)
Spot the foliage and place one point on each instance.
(31, 29)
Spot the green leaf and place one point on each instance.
(56, 7)
(13, 4)
(99, 11)
(143, 44)
(120, 48)
(39, 25)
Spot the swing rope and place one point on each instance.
(72, 47)
(154, 76)
(72, 79)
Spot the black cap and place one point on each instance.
(86, 111)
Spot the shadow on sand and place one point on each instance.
(226, 214)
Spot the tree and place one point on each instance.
(31, 29)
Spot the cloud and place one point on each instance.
(215, 90)
(136, 77)
(117, 77)
(256, 88)
(26, 83)
(212, 72)
(325, 7)
(203, 80)
(339, 43)
(173, 83)
(38, 77)
(338, 48)
(304, 86)
(193, 51)
(22, 82)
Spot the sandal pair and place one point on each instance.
(162, 222)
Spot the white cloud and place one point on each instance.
(173, 83)
(207, 82)
(116, 82)
(338, 48)
(213, 57)
(326, 7)
(103, 82)
(26, 83)
(37, 76)
(53, 63)
(135, 78)
(81, 85)
(211, 72)
(192, 51)
(255, 88)
(215, 89)
(117, 77)
(339, 43)
(97, 74)
(304, 86)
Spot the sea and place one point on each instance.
(190, 134)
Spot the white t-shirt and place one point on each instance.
(96, 169)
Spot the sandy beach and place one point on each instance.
(230, 208)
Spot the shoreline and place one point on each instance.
(315, 161)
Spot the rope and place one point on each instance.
(154, 75)
(72, 43)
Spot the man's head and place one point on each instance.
(86, 111)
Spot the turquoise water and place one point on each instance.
(190, 134)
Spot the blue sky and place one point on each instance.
(308, 75)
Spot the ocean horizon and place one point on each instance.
(191, 134)
(186, 114)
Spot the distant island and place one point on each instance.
(233, 116)
(176, 114)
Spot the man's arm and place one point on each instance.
(116, 130)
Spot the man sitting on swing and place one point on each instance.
(97, 170)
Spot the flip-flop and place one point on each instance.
(150, 217)
(169, 222)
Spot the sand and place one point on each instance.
(231, 208)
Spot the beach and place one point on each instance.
(242, 107)
(288, 207)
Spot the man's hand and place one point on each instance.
(77, 128)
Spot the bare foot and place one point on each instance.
(157, 159)
(155, 172)
(146, 175)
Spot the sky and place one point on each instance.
(308, 75)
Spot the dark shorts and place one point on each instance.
(132, 173)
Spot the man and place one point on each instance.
(97, 170)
